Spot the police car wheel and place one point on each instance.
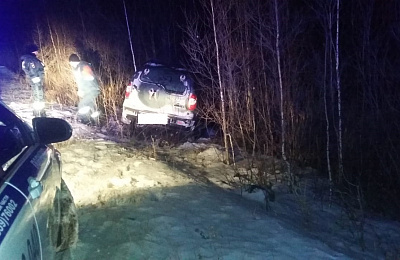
(55, 220)
(64, 227)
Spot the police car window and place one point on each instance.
(11, 143)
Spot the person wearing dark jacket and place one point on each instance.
(34, 71)
(88, 89)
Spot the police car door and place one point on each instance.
(21, 220)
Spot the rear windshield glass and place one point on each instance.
(172, 80)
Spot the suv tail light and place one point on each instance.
(192, 102)
(128, 90)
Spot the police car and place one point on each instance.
(32, 192)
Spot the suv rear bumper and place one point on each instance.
(130, 115)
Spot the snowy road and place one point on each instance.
(135, 208)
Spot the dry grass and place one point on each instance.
(112, 73)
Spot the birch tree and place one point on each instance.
(221, 86)
(339, 92)
(324, 12)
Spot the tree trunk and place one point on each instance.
(221, 88)
(283, 122)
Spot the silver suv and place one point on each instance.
(160, 95)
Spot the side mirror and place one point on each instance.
(51, 130)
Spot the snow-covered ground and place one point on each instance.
(142, 201)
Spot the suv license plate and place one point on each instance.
(152, 119)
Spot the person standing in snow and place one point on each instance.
(88, 89)
(34, 71)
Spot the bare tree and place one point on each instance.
(130, 37)
(221, 86)
(339, 97)
(324, 12)
(283, 120)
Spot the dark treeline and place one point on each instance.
(333, 107)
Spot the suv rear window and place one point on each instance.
(172, 80)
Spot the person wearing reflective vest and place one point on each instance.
(34, 71)
(88, 89)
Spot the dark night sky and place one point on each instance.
(18, 19)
